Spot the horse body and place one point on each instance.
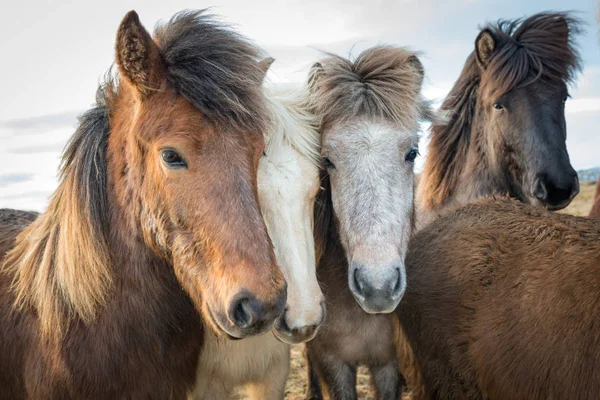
(103, 359)
(595, 211)
(486, 149)
(102, 293)
(369, 111)
(288, 182)
(504, 304)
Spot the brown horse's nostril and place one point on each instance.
(556, 193)
(244, 312)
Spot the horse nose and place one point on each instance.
(250, 315)
(379, 290)
(556, 193)
(299, 334)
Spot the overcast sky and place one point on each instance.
(54, 53)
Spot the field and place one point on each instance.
(296, 385)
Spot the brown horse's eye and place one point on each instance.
(172, 159)
(498, 107)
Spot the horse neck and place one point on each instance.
(475, 177)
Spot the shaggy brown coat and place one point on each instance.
(502, 303)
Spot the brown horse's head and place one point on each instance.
(186, 137)
(525, 68)
(506, 133)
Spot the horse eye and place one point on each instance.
(172, 159)
(328, 164)
(498, 106)
(411, 155)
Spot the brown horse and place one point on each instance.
(478, 152)
(503, 303)
(595, 212)
(506, 131)
(155, 220)
(370, 110)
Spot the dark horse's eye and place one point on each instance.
(411, 155)
(172, 159)
(327, 163)
(498, 107)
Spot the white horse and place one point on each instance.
(288, 183)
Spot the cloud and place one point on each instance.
(40, 124)
(9, 179)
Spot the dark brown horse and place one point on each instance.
(506, 131)
(370, 110)
(595, 212)
(155, 221)
(503, 303)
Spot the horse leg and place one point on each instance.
(209, 388)
(338, 376)
(314, 382)
(272, 386)
(388, 380)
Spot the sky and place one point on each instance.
(54, 54)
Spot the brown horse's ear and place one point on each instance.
(138, 57)
(264, 66)
(315, 73)
(418, 66)
(485, 45)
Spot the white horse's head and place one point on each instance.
(369, 111)
(288, 182)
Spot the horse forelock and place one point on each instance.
(382, 83)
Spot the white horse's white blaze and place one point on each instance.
(288, 182)
(287, 187)
(372, 195)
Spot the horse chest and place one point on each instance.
(358, 337)
(236, 362)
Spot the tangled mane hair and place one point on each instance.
(61, 263)
(541, 47)
(292, 122)
(383, 82)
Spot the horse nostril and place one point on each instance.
(357, 284)
(243, 313)
(539, 190)
(397, 288)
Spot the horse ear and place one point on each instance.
(138, 57)
(315, 73)
(485, 45)
(418, 66)
(264, 66)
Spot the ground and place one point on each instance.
(296, 385)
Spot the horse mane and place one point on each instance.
(292, 122)
(61, 262)
(527, 50)
(214, 68)
(383, 82)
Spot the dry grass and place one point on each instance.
(297, 381)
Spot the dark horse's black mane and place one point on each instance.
(526, 50)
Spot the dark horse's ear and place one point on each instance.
(418, 66)
(138, 57)
(315, 73)
(264, 66)
(485, 45)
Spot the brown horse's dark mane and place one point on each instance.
(527, 50)
(215, 69)
(61, 263)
